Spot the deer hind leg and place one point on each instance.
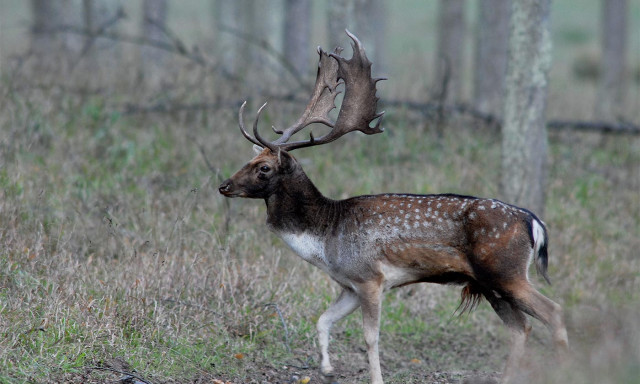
(346, 303)
(371, 300)
(517, 323)
(532, 302)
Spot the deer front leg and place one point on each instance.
(346, 303)
(371, 302)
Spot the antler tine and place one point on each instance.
(242, 128)
(264, 143)
(256, 139)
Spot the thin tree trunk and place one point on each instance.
(490, 69)
(154, 23)
(611, 87)
(49, 17)
(297, 32)
(524, 135)
(369, 25)
(339, 18)
(234, 23)
(102, 54)
(449, 60)
(265, 25)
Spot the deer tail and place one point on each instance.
(540, 240)
(470, 297)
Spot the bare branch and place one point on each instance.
(175, 48)
(93, 35)
(268, 48)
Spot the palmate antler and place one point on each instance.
(358, 106)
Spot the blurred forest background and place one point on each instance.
(596, 46)
(118, 119)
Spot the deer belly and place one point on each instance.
(309, 247)
(396, 276)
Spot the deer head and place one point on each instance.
(261, 177)
(257, 179)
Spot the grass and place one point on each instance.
(118, 254)
(117, 250)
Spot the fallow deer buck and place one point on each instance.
(369, 244)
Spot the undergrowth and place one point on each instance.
(117, 254)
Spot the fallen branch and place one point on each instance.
(129, 374)
(431, 110)
(596, 126)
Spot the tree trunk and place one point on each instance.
(339, 18)
(524, 135)
(369, 25)
(102, 54)
(490, 69)
(49, 18)
(449, 60)
(610, 99)
(154, 23)
(227, 16)
(365, 19)
(266, 25)
(297, 32)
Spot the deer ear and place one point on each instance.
(285, 161)
(257, 149)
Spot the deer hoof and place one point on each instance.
(328, 378)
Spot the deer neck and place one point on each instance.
(298, 207)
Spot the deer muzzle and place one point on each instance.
(226, 188)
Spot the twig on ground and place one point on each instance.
(134, 375)
(284, 324)
(187, 304)
(304, 364)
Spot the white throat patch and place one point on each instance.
(310, 248)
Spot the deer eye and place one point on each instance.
(265, 168)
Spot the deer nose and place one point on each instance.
(225, 187)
